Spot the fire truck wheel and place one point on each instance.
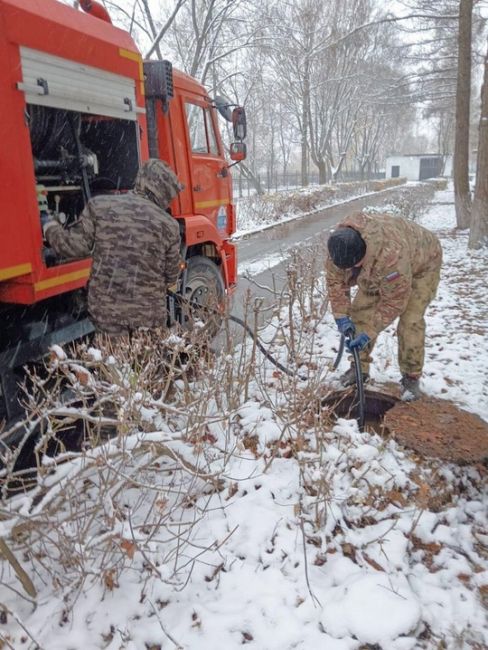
(204, 286)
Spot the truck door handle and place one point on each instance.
(197, 188)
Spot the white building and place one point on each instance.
(418, 167)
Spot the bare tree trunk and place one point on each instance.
(305, 114)
(322, 172)
(272, 156)
(337, 170)
(478, 234)
(369, 171)
(247, 173)
(463, 92)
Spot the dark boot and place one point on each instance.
(349, 377)
(410, 388)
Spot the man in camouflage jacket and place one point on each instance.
(134, 244)
(396, 265)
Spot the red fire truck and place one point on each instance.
(80, 110)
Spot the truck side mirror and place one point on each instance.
(238, 151)
(239, 123)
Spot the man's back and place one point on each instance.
(135, 246)
(135, 255)
(394, 241)
(397, 251)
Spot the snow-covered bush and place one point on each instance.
(120, 462)
(259, 210)
(439, 183)
(410, 201)
(385, 183)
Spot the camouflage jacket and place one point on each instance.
(397, 250)
(135, 249)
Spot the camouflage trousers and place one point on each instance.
(411, 325)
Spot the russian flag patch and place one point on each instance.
(392, 276)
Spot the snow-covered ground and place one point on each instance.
(320, 536)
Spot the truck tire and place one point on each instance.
(204, 286)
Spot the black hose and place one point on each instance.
(340, 352)
(247, 329)
(359, 387)
(355, 353)
(267, 354)
(359, 374)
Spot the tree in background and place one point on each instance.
(462, 195)
(326, 56)
(384, 119)
(478, 235)
(449, 32)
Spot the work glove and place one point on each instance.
(173, 288)
(358, 343)
(345, 326)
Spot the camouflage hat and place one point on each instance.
(346, 247)
(157, 181)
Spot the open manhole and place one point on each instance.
(432, 427)
(343, 404)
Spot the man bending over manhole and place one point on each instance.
(396, 265)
